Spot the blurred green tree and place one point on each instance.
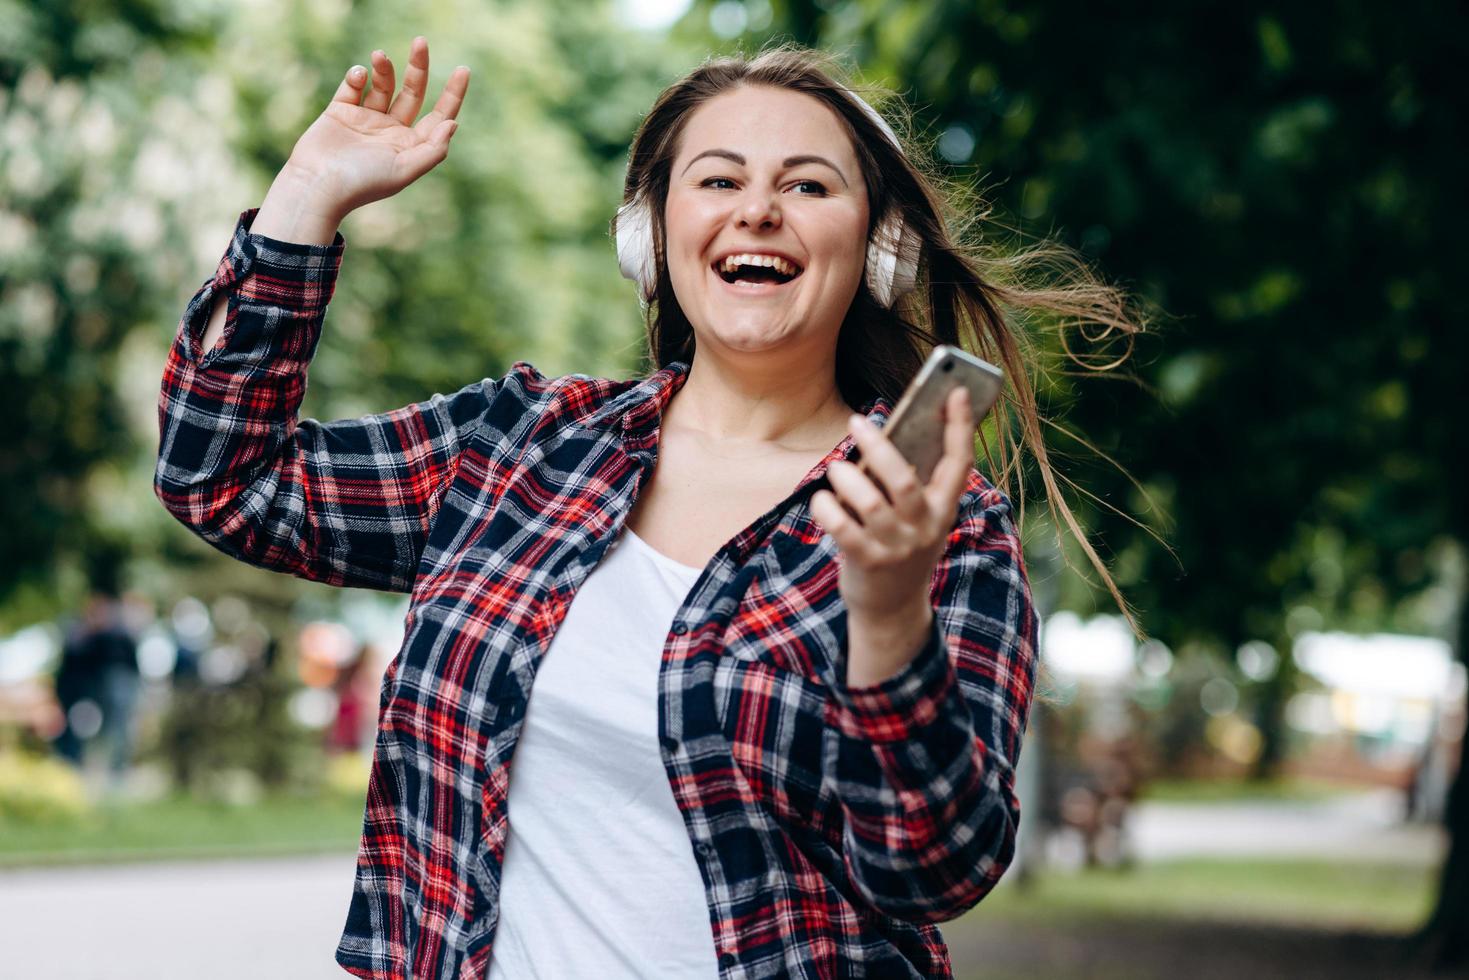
(133, 134)
(85, 200)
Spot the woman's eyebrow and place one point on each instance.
(789, 162)
(796, 161)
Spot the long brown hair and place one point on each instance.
(967, 294)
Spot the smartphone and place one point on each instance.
(916, 426)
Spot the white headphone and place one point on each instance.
(892, 252)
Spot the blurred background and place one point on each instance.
(1272, 783)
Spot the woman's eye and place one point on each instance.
(809, 187)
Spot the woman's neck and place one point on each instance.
(793, 406)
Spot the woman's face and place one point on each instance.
(766, 222)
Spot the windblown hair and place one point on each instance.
(974, 296)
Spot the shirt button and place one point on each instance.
(680, 628)
(668, 742)
(727, 959)
(706, 848)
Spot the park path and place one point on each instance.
(280, 917)
(226, 920)
(1365, 826)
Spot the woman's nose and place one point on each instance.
(758, 210)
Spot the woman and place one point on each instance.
(775, 734)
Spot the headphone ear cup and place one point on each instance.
(636, 256)
(892, 259)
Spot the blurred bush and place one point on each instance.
(35, 789)
(236, 741)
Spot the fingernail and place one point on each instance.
(357, 71)
(857, 420)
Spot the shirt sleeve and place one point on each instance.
(347, 502)
(925, 760)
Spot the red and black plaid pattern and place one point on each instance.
(833, 827)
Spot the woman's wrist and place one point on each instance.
(877, 649)
(296, 210)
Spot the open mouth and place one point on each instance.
(756, 269)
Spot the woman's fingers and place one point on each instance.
(382, 83)
(861, 496)
(946, 484)
(415, 84)
(453, 95)
(447, 106)
(886, 467)
(418, 160)
(350, 91)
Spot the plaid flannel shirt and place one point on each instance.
(833, 827)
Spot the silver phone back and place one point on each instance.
(916, 426)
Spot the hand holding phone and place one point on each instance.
(916, 426)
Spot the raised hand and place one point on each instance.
(890, 530)
(361, 150)
(354, 154)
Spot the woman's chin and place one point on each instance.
(752, 334)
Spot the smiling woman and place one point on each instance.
(775, 160)
(778, 699)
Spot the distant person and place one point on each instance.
(77, 679)
(778, 699)
(97, 684)
(353, 702)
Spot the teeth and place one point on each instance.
(733, 262)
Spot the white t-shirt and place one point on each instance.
(600, 879)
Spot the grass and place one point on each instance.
(1240, 790)
(183, 827)
(1346, 894)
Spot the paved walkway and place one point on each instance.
(1359, 826)
(276, 917)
